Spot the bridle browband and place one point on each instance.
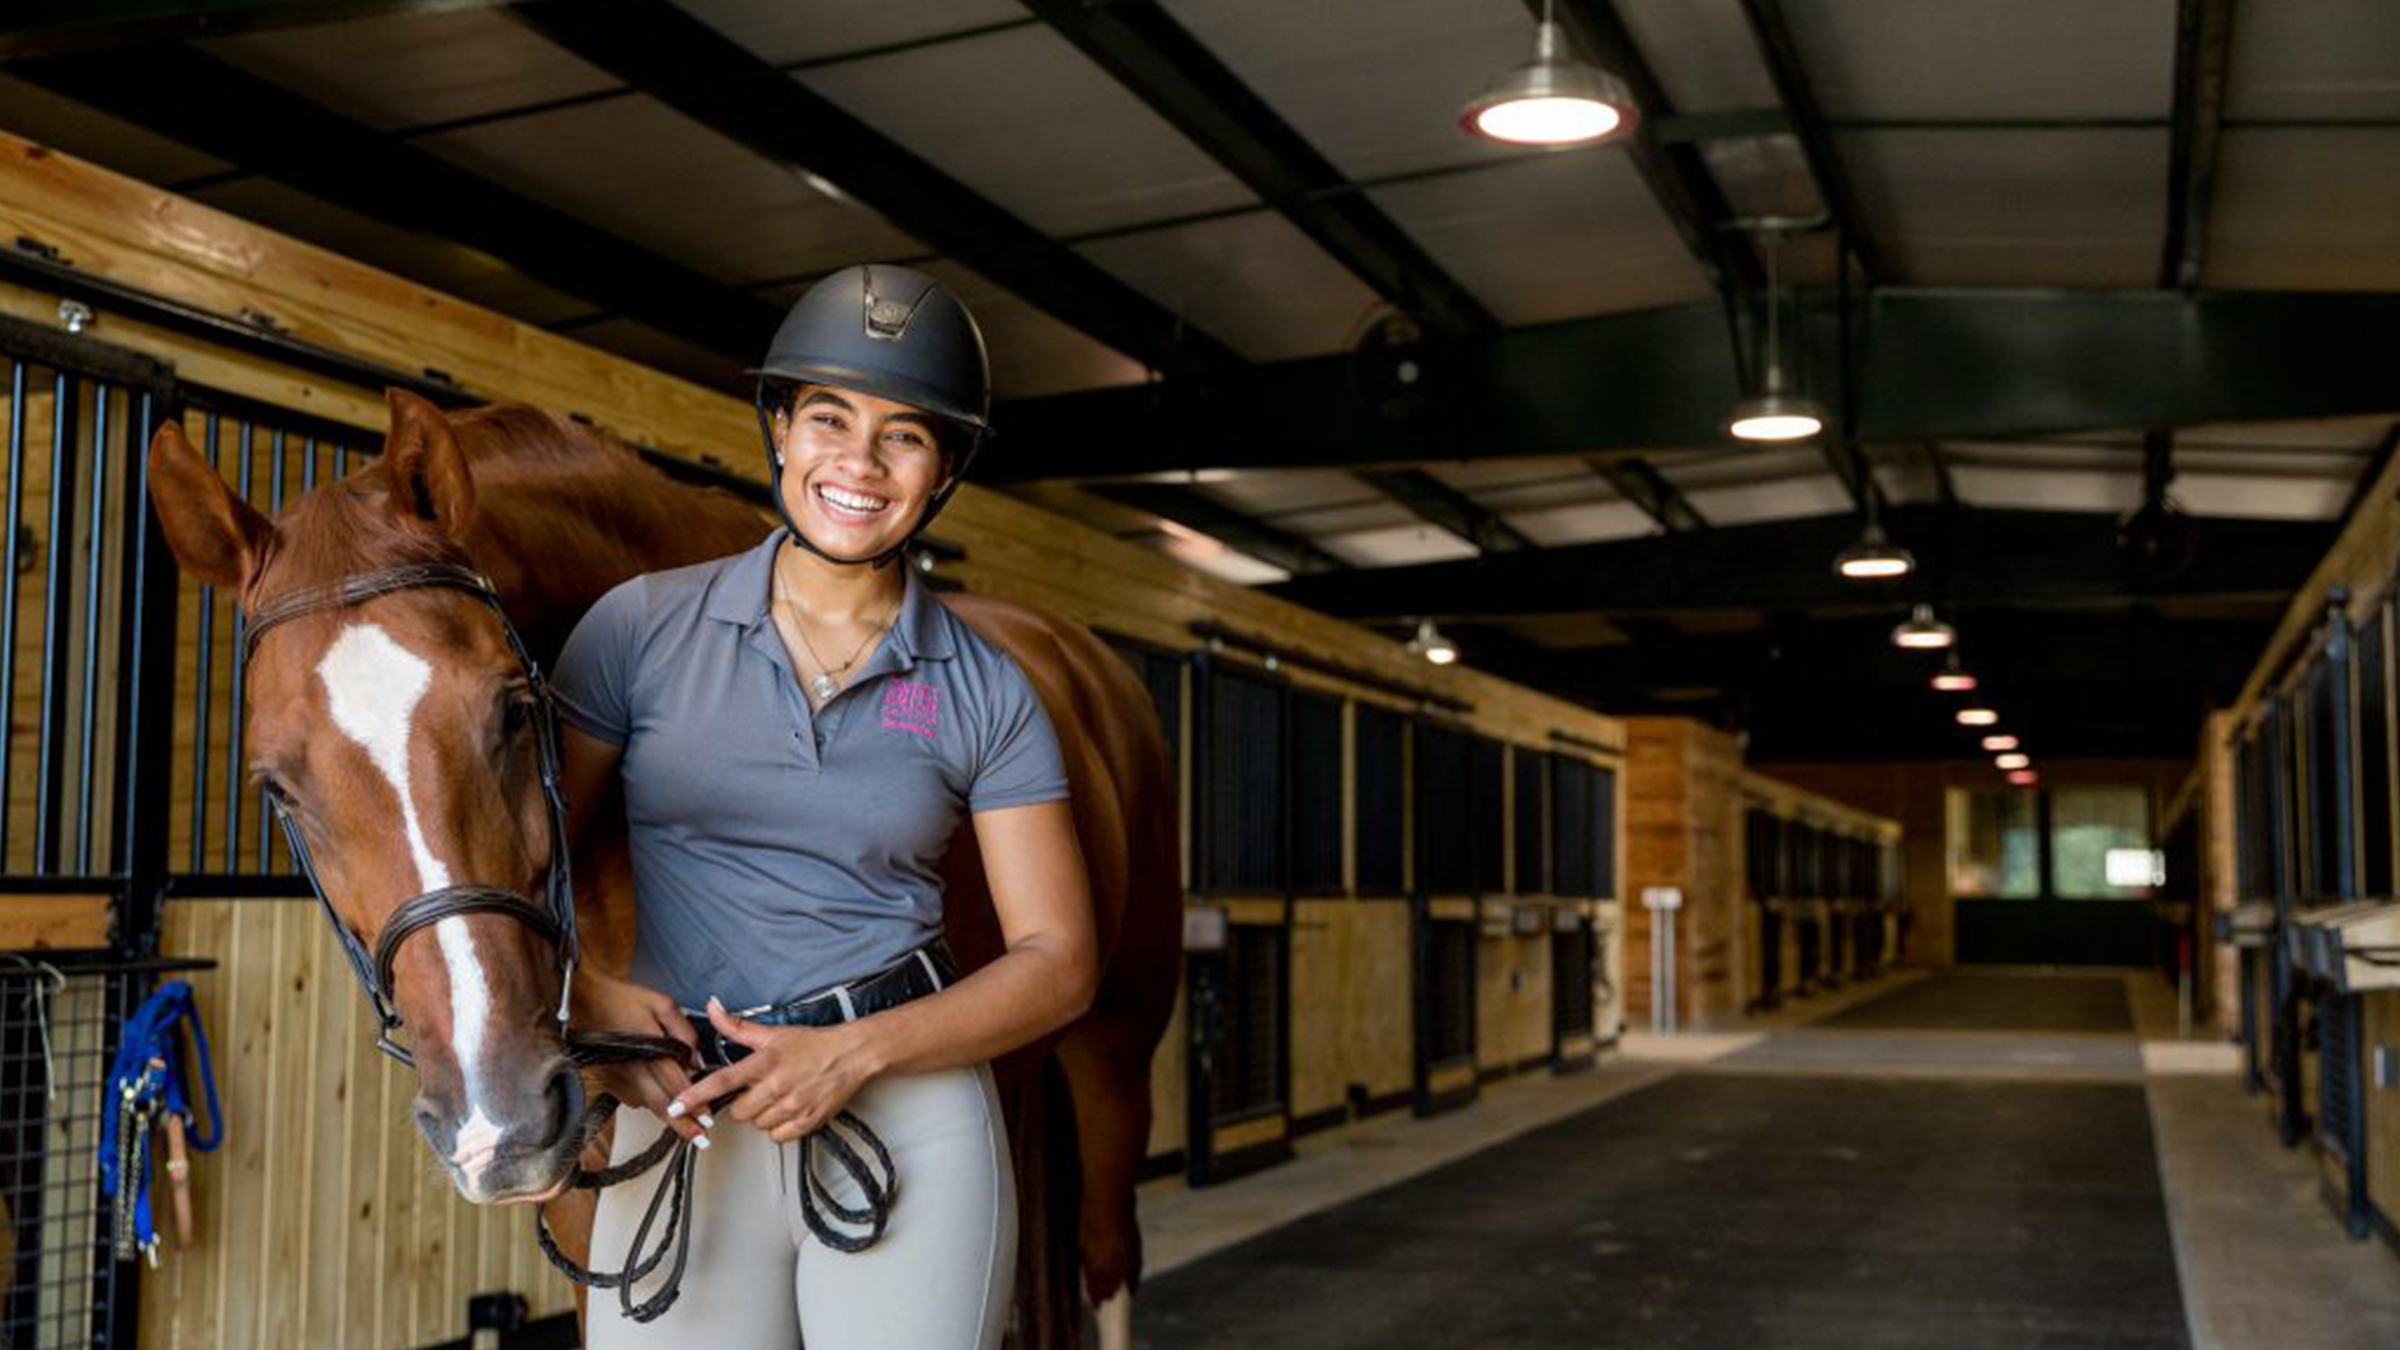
(554, 924)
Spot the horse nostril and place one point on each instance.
(565, 1097)
(433, 1126)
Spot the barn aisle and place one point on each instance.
(1968, 1160)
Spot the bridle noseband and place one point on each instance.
(554, 924)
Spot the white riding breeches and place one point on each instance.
(939, 1279)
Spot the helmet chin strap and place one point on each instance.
(933, 507)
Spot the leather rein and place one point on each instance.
(553, 920)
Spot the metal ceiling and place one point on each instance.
(2102, 250)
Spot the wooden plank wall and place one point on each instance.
(2380, 1023)
(322, 1223)
(1686, 793)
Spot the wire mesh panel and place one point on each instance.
(1246, 1062)
(270, 457)
(1532, 773)
(1243, 774)
(1378, 801)
(1487, 806)
(1316, 794)
(1445, 840)
(2374, 757)
(57, 1032)
(1450, 990)
(1570, 982)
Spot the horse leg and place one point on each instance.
(1109, 1079)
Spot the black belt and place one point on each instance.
(921, 972)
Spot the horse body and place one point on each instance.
(555, 515)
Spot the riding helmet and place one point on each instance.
(892, 332)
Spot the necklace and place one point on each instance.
(827, 682)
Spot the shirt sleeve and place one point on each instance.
(1020, 765)
(593, 682)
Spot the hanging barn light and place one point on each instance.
(1555, 99)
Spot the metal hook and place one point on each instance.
(55, 983)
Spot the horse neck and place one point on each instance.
(554, 542)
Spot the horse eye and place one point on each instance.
(516, 713)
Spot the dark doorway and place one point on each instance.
(2054, 876)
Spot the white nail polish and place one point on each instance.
(700, 1141)
(707, 1122)
(674, 1110)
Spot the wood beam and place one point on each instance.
(1157, 60)
(698, 71)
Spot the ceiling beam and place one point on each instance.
(229, 113)
(1676, 173)
(714, 80)
(1242, 533)
(1159, 61)
(1639, 481)
(2203, 49)
(1977, 558)
(1438, 503)
(63, 27)
(1782, 56)
(1991, 365)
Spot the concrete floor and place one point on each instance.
(2261, 1261)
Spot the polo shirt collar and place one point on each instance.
(740, 593)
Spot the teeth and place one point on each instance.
(851, 501)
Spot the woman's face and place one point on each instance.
(857, 469)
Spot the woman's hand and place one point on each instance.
(793, 1080)
(602, 1002)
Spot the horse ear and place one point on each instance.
(430, 481)
(218, 537)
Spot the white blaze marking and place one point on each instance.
(373, 686)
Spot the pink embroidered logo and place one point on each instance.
(910, 705)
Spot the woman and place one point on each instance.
(798, 730)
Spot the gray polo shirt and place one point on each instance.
(776, 849)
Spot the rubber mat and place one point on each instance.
(1733, 1212)
(1957, 1001)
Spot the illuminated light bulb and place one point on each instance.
(1977, 717)
(2013, 761)
(1923, 632)
(2003, 741)
(1555, 99)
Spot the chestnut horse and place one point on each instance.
(393, 731)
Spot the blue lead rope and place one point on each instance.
(144, 1084)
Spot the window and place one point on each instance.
(2086, 826)
(1995, 844)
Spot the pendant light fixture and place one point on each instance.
(1775, 412)
(1923, 632)
(2002, 741)
(2013, 761)
(1555, 99)
(1978, 717)
(1953, 678)
(1430, 644)
(1875, 557)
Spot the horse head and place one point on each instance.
(400, 737)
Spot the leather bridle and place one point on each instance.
(553, 921)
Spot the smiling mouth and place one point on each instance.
(843, 504)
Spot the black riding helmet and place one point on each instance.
(892, 332)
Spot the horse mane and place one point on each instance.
(528, 458)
